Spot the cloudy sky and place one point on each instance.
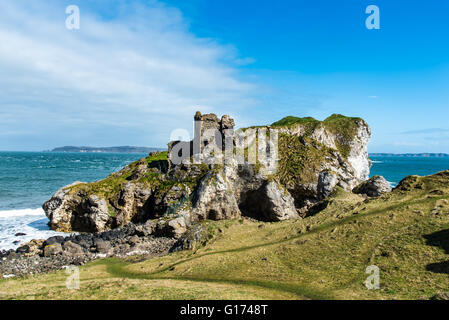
(137, 70)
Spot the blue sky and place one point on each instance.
(137, 70)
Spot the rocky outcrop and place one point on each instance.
(326, 184)
(373, 187)
(215, 199)
(61, 207)
(277, 203)
(270, 173)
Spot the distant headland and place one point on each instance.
(123, 149)
(438, 155)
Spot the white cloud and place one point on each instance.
(134, 76)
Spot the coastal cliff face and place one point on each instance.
(272, 173)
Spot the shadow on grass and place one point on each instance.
(439, 239)
(439, 267)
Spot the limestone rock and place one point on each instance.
(326, 184)
(133, 201)
(278, 204)
(147, 229)
(195, 235)
(173, 228)
(68, 211)
(60, 208)
(214, 199)
(98, 213)
(373, 187)
(140, 170)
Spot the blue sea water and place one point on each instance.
(396, 168)
(28, 179)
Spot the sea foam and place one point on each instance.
(27, 224)
(22, 213)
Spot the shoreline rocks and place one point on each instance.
(55, 253)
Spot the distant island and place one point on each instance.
(124, 149)
(429, 155)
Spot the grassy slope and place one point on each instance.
(320, 257)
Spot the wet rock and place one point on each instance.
(23, 249)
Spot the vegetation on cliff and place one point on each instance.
(300, 159)
(345, 128)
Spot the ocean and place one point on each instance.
(28, 179)
(396, 168)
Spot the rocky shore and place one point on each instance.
(58, 252)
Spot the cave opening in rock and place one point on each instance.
(253, 205)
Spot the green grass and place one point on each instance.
(325, 256)
(291, 120)
(159, 156)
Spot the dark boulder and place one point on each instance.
(53, 240)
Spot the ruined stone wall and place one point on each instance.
(208, 130)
